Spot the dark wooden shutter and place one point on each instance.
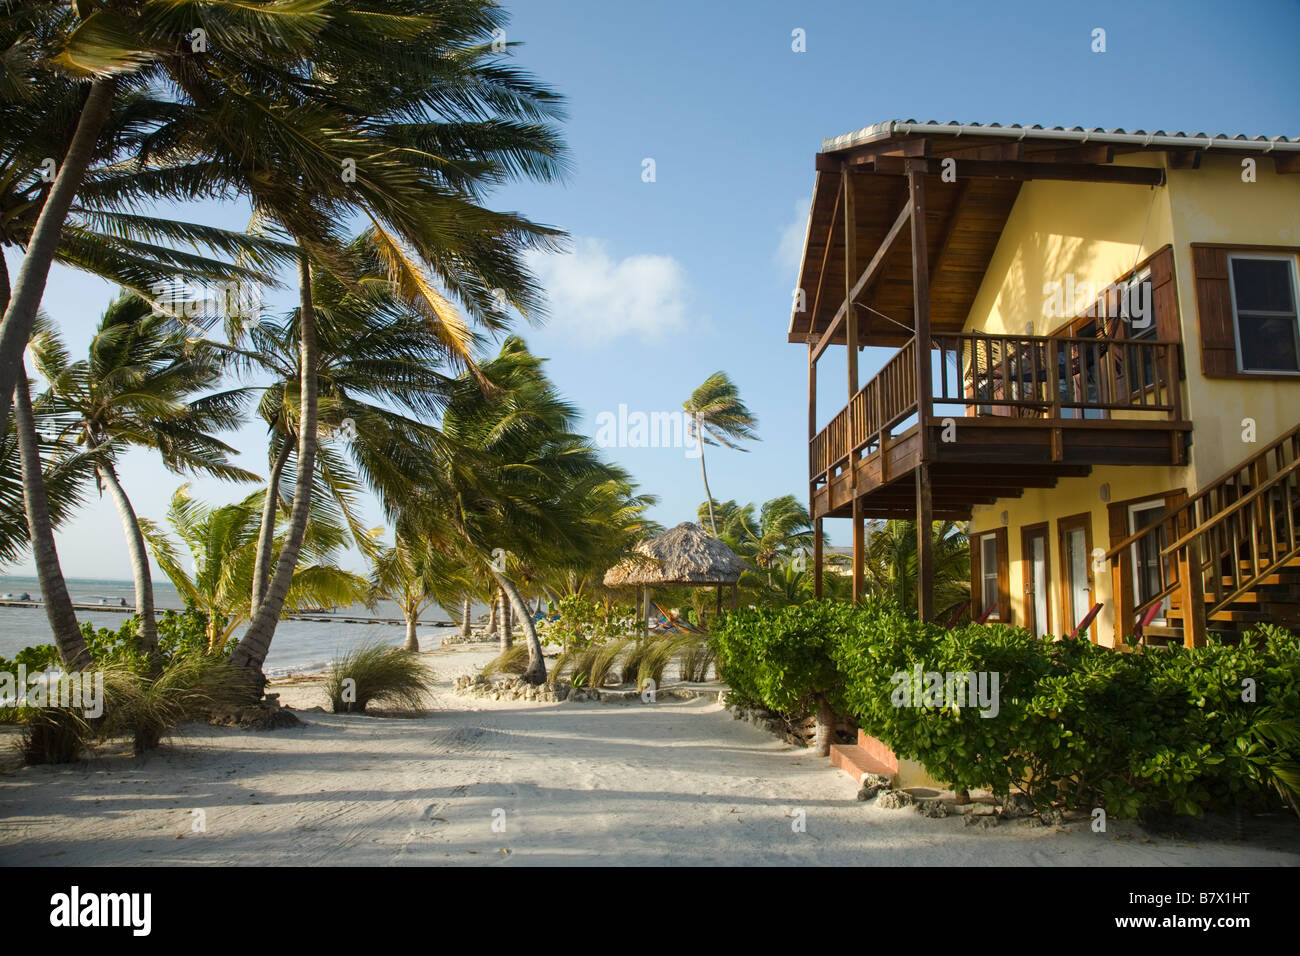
(1214, 312)
(1004, 576)
(1164, 296)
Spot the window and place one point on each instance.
(1264, 312)
(1138, 315)
(1150, 570)
(989, 572)
(989, 592)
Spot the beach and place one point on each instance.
(478, 781)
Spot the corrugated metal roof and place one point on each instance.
(1156, 138)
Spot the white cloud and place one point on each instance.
(597, 298)
(790, 251)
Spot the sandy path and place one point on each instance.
(677, 782)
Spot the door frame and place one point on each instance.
(1063, 526)
(1026, 576)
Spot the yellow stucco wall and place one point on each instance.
(1213, 205)
(1099, 232)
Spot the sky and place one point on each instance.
(671, 277)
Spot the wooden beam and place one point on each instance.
(1184, 158)
(1025, 171)
(949, 227)
(869, 276)
(817, 558)
(924, 388)
(862, 155)
(859, 546)
(850, 264)
(1075, 154)
(1286, 163)
(826, 257)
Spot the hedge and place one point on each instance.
(1072, 723)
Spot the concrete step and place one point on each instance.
(857, 762)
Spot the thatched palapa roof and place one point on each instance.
(684, 555)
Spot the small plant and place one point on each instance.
(53, 735)
(694, 661)
(593, 664)
(148, 706)
(377, 673)
(513, 661)
(655, 660)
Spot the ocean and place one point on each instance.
(298, 647)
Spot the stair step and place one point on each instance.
(857, 763)
(1231, 616)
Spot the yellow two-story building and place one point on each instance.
(1094, 360)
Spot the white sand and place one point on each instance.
(676, 782)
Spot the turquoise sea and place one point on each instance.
(298, 647)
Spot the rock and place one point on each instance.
(1017, 805)
(982, 810)
(983, 821)
(934, 809)
(894, 799)
(1051, 817)
(879, 781)
(867, 792)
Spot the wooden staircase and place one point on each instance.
(1230, 553)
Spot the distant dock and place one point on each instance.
(315, 618)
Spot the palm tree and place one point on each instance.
(890, 563)
(415, 578)
(61, 74)
(782, 530)
(222, 544)
(718, 417)
(518, 483)
(379, 368)
(135, 388)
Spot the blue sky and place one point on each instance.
(672, 279)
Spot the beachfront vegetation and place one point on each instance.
(397, 122)
(1072, 724)
(377, 673)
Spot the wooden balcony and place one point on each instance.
(1007, 413)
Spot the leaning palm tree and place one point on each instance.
(718, 417)
(141, 386)
(414, 578)
(516, 490)
(782, 530)
(222, 545)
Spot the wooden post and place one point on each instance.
(924, 389)
(1193, 589)
(718, 609)
(859, 547)
(850, 273)
(817, 558)
(735, 596)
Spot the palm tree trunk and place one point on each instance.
(505, 635)
(266, 533)
(825, 728)
(412, 616)
(144, 610)
(54, 590)
(20, 312)
(252, 649)
(493, 601)
(536, 672)
(464, 619)
(708, 495)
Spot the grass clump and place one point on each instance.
(694, 661)
(591, 666)
(377, 673)
(512, 662)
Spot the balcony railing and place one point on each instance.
(1054, 379)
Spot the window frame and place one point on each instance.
(1131, 510)
(1290, 262)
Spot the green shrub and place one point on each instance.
(782, 658)
(377, 673)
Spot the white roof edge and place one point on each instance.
(880, 131)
